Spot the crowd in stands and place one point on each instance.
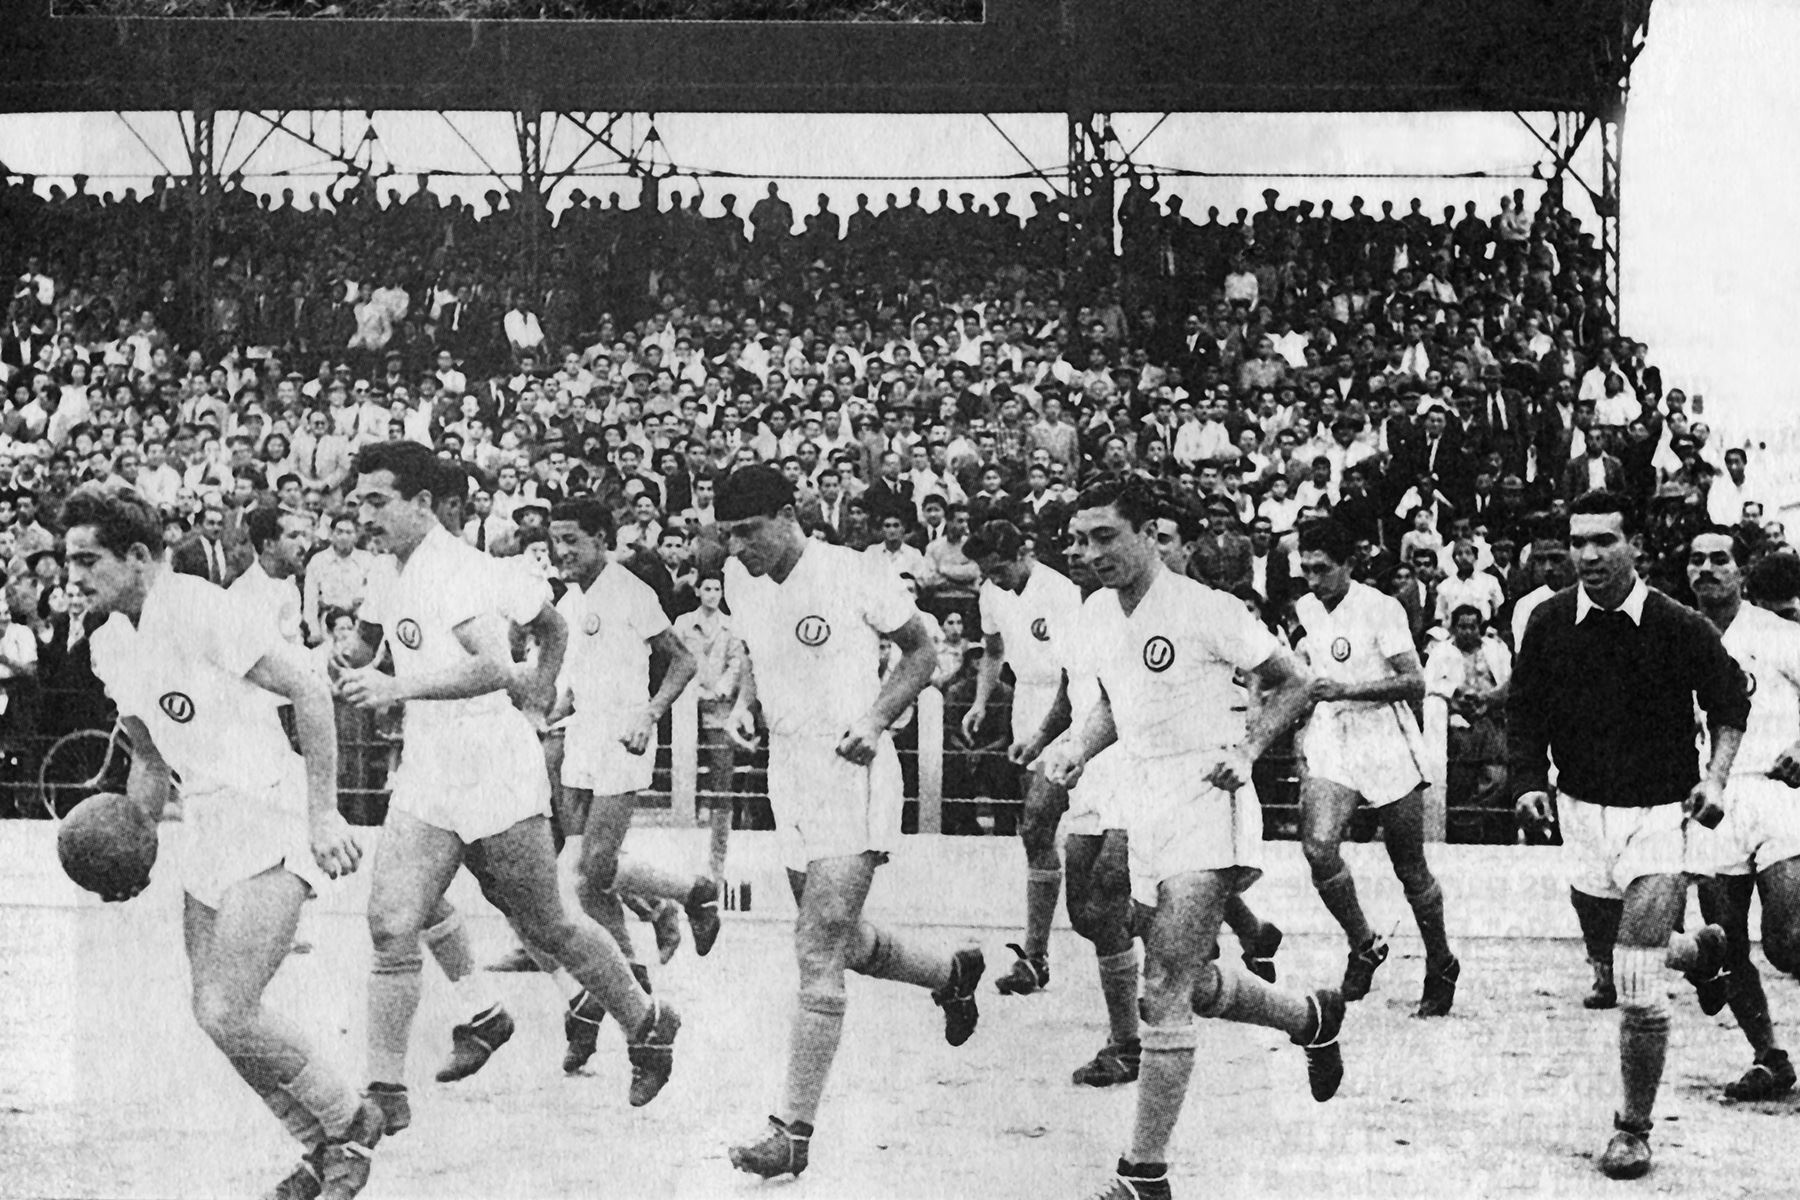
(1442, 385)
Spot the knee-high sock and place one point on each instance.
(294, 1116)
(1428, 914)
(592, 958)
(1227, 992)
(1643, 1043)
(323, 1094)
(1599, 918)
(448, 942)
(1339, 895)
(818, 1027)
(1119, 988)
(720, 841)
(1042, 886)
(1168, 1064)
(271, 1055)
(882, 954)
(393, 999)
(1750, 1005)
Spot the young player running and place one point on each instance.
(812, 616)
(1166, 650)
(191, 669)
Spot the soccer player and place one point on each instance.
(610, 743)
(191, 669)
(1362, 745)
(471, 782)
(1166, 649)
(1027, 616)
(1756, 849)
(812, 616)
(1606, 681)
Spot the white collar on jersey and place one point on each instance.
(1633, 606)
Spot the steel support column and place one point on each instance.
(528, 129)
(1094, 160)
(1606, 204)
(203, 204)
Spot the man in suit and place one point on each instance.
(1594, 470)
(204, 553)
(1501, 415)
(889, 492)
(1270, 568)
(828, 506)
(1222, 555)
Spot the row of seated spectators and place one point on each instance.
(1436, 386)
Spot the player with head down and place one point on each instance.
(812, 616)
(191, 669)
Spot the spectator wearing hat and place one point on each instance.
(1222, 554)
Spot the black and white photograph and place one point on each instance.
(898, 600)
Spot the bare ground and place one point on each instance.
(107, 1089)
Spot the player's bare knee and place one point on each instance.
(222, 1016)
(830, 943)
(597, 869)
(1322, 855)
(1415, 876)
(392, 930)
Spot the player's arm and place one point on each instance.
(1284, 696)
(150, 783)
(487, 666)
(1058, 719)
(309, 606)
(534, 685)
(678, 669)
(1405, 681)
(1062, 763)
(1724, 695)
(363, 652)
(987, 674)
(742, 724)
(1528, 728)
(287, 672)
(900, 688)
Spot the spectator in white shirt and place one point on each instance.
(1729, 492)
(523, 332)
(1468, 586)
(894, 551)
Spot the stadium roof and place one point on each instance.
(1028, 56)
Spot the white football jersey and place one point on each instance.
(1767, 648)
(181, 671)
(815, 637)
(607, 665)
(1169, 668)
(1035, 624)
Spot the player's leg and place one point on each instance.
(1403, 831)
(1178, 942)
(1259, 939)
(413, 866)
(519, 875)
(718, 763)
(1599, 920)
(234, 951)
(1325, 811)
(1778, 886)
(1647, 944)
(446, 936)
(1725, 902)
(1098, 881)
(1045, 803)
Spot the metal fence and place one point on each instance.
(950, 788)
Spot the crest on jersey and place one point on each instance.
(813, 631)
(1340, 648)
(177, 707)
(408, 633)
(1040, 629)
(590, 624)
(1159, 653)
(1749, 683)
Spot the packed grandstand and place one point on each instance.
(1442, 383)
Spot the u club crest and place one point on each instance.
(408, 633)
(1040, 629)
(1340, 648)
(590, 624)
(1159, 654)
(813, 631)
(177, 707)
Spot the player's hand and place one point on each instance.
(972, 721)
(528, 692)
(1058, 765)
(1232, 771)
(121, 895)
(640, 734)
(368, 688)
(1705, 804)
(1022, 751)
(1533, 810)
(334, 847)
(1787, 766)
(1320, 689)
(740, 727)
(860, 742)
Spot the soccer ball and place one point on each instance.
(107, 844)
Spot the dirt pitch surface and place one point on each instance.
(108, 1089)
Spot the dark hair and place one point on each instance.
(594, 518)
(415, 467)
(120, 517)
(996, 538)
(283, 481)
(533, 535)
(1775, 578)
(1457, 613)
(343, 517)
(1602, 503)
(1134, 498)
(1740, 552)
(264, 526)
(1329, 538)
